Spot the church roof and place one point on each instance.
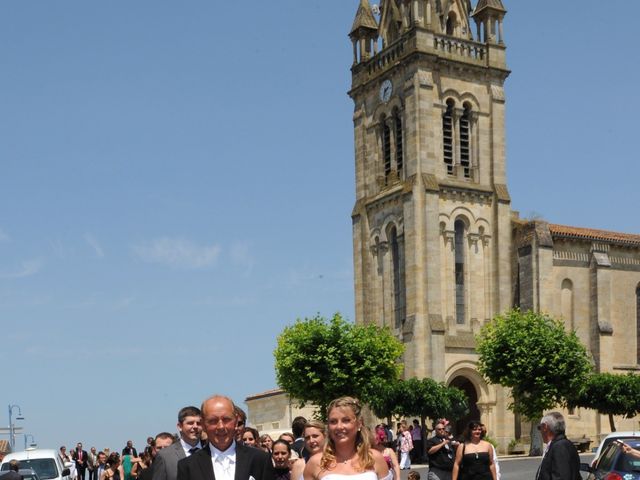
(268, 393)
(590, 234)
(364, 17)
(495, 4)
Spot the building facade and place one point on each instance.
(438, 250)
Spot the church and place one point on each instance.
(438, 250)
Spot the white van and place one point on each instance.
(45, 463)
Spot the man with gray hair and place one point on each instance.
(560, 460)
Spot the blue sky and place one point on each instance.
(177, 182)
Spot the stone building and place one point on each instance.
(272, 412)
(438, 250)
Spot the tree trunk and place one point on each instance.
(612, 424)
(536, 438)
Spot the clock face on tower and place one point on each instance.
(386, 89)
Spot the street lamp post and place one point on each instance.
(26, 437)
(12, 430)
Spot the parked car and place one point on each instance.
(624, 436)
(26, 473)
(45, 463)
(614, 464)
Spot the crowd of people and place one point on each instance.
(214, 442)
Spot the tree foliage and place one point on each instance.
(422, 398)
(533, 355)
(318, 360)
(609, 394)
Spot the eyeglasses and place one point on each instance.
(539, 427)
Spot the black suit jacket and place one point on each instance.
(80, 465)
(250, 462)
(12, 475)
(561, 462)
(130, 451)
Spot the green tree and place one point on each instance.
(610, 394)
(384, 399)
(418, 398)
(318, 360)
(427, 398)
(537, 358)
(424, 398)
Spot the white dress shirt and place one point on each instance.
(224, 463)
(186, 447)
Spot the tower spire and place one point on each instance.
(364, 32)
(486, 14)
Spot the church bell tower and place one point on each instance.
(432, 218)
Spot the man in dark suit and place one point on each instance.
(13, 474)
(298, 446)
(165, 465)
(560, 460)
(223, 458)
(80, 457)
(129, 449)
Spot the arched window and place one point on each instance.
(397, 258)
(459, 228)
(465, 141)
(566, 303)
(386, 146)
(451, 23)
(397, 123)
(638, 324)
(447, 136)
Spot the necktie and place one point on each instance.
(193, 450)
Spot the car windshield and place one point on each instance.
(607, 441)
(627, 463)
(45, 468)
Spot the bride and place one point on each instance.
(348, 451)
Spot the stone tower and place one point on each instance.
(432, 231)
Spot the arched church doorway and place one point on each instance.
(463, 383)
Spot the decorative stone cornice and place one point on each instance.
(430, 182)
(437, 323)
(473, 239)
(502, 192)
(497, 92)
(379, 248)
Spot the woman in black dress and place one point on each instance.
(474, 458)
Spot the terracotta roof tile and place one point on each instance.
(594, 235)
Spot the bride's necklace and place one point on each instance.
(346, 460)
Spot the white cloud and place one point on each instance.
(93, 243)
(111, 351)
(26, 269)
(123, 303)
(177, 252)
(241, 256)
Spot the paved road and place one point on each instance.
(511, 468)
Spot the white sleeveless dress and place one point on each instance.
(368, 475)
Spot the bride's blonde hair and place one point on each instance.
(363, 444)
